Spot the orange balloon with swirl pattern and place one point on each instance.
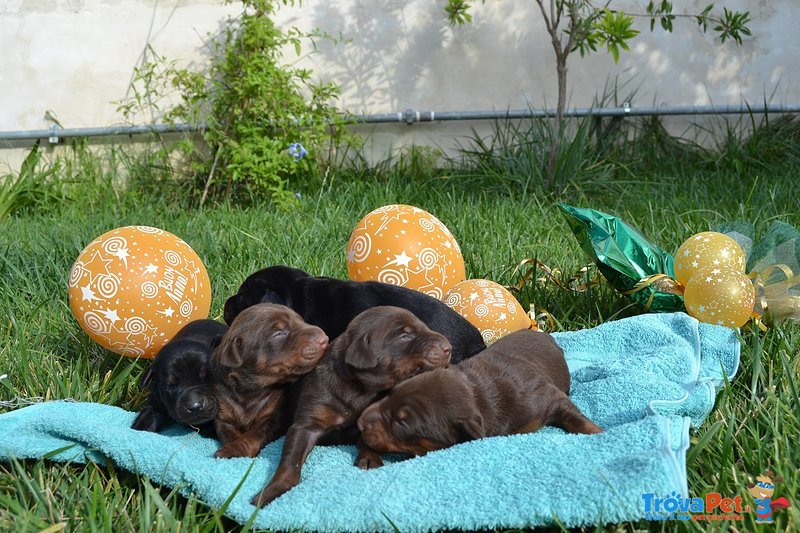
(407, 246)
(133, 288)
(489, 307)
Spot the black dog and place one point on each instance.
(179, 380)
(332, 303)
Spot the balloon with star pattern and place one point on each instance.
(407, 246)
(133, 288)
(489, 307)
(720, 296)
(708, 249)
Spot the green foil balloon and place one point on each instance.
(626, 259)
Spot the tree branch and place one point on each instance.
(545, 17)
(573, 27)
(552, 30)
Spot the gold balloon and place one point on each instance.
(707, 250)
(133, 288)
(407, 246)
(720, 296)
(489, 307)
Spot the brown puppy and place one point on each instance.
(381, 347)
(517, 385)
(265, 349)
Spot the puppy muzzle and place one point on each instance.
(370, 423)
(196, 408)
(316, 345)
(437, 354)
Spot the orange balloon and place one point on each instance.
(489, 307)
(407, 246)
(133, 288)
(720, 296)
(707, 250)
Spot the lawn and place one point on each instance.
(498, 222)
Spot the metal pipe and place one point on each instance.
(55, 133)
(411, 116)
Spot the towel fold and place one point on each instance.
(645, 380)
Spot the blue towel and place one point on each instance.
(645, 380)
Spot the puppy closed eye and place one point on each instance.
(279, 330)
(401, 417)
(407, 336)
(279, 334)
(400, 423)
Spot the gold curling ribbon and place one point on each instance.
(552, 275)
(544, 320)
(662, 283)
(760, 306)
(774, 299)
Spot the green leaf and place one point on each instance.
(614, 49)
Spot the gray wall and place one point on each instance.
(76, 57)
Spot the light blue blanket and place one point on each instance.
(645, 380)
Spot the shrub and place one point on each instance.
(268, 126)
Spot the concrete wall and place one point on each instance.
(76, 57)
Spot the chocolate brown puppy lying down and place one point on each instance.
(517, 385)
(265, 349)
(380, 348)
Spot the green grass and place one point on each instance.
(668, 190)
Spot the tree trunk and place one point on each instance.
(558, 119)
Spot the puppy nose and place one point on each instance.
(446, 349)
(322, 340)
(195, 406)
(440, 350)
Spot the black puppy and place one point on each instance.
(179, 380)
(332, 303)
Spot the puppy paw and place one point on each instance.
(149, 419)
(369, 460)
(269, 494)
(235, 449)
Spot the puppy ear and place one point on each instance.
(150, 419)
(233, 307)
(147, 377)
(272, 297)
(216, 341)
(359, 355)
(472, 428)
(231, 353)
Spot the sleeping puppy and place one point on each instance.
(266, 348)
(380, 348)
(180, 382)
(332, 303)
(517, 385)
